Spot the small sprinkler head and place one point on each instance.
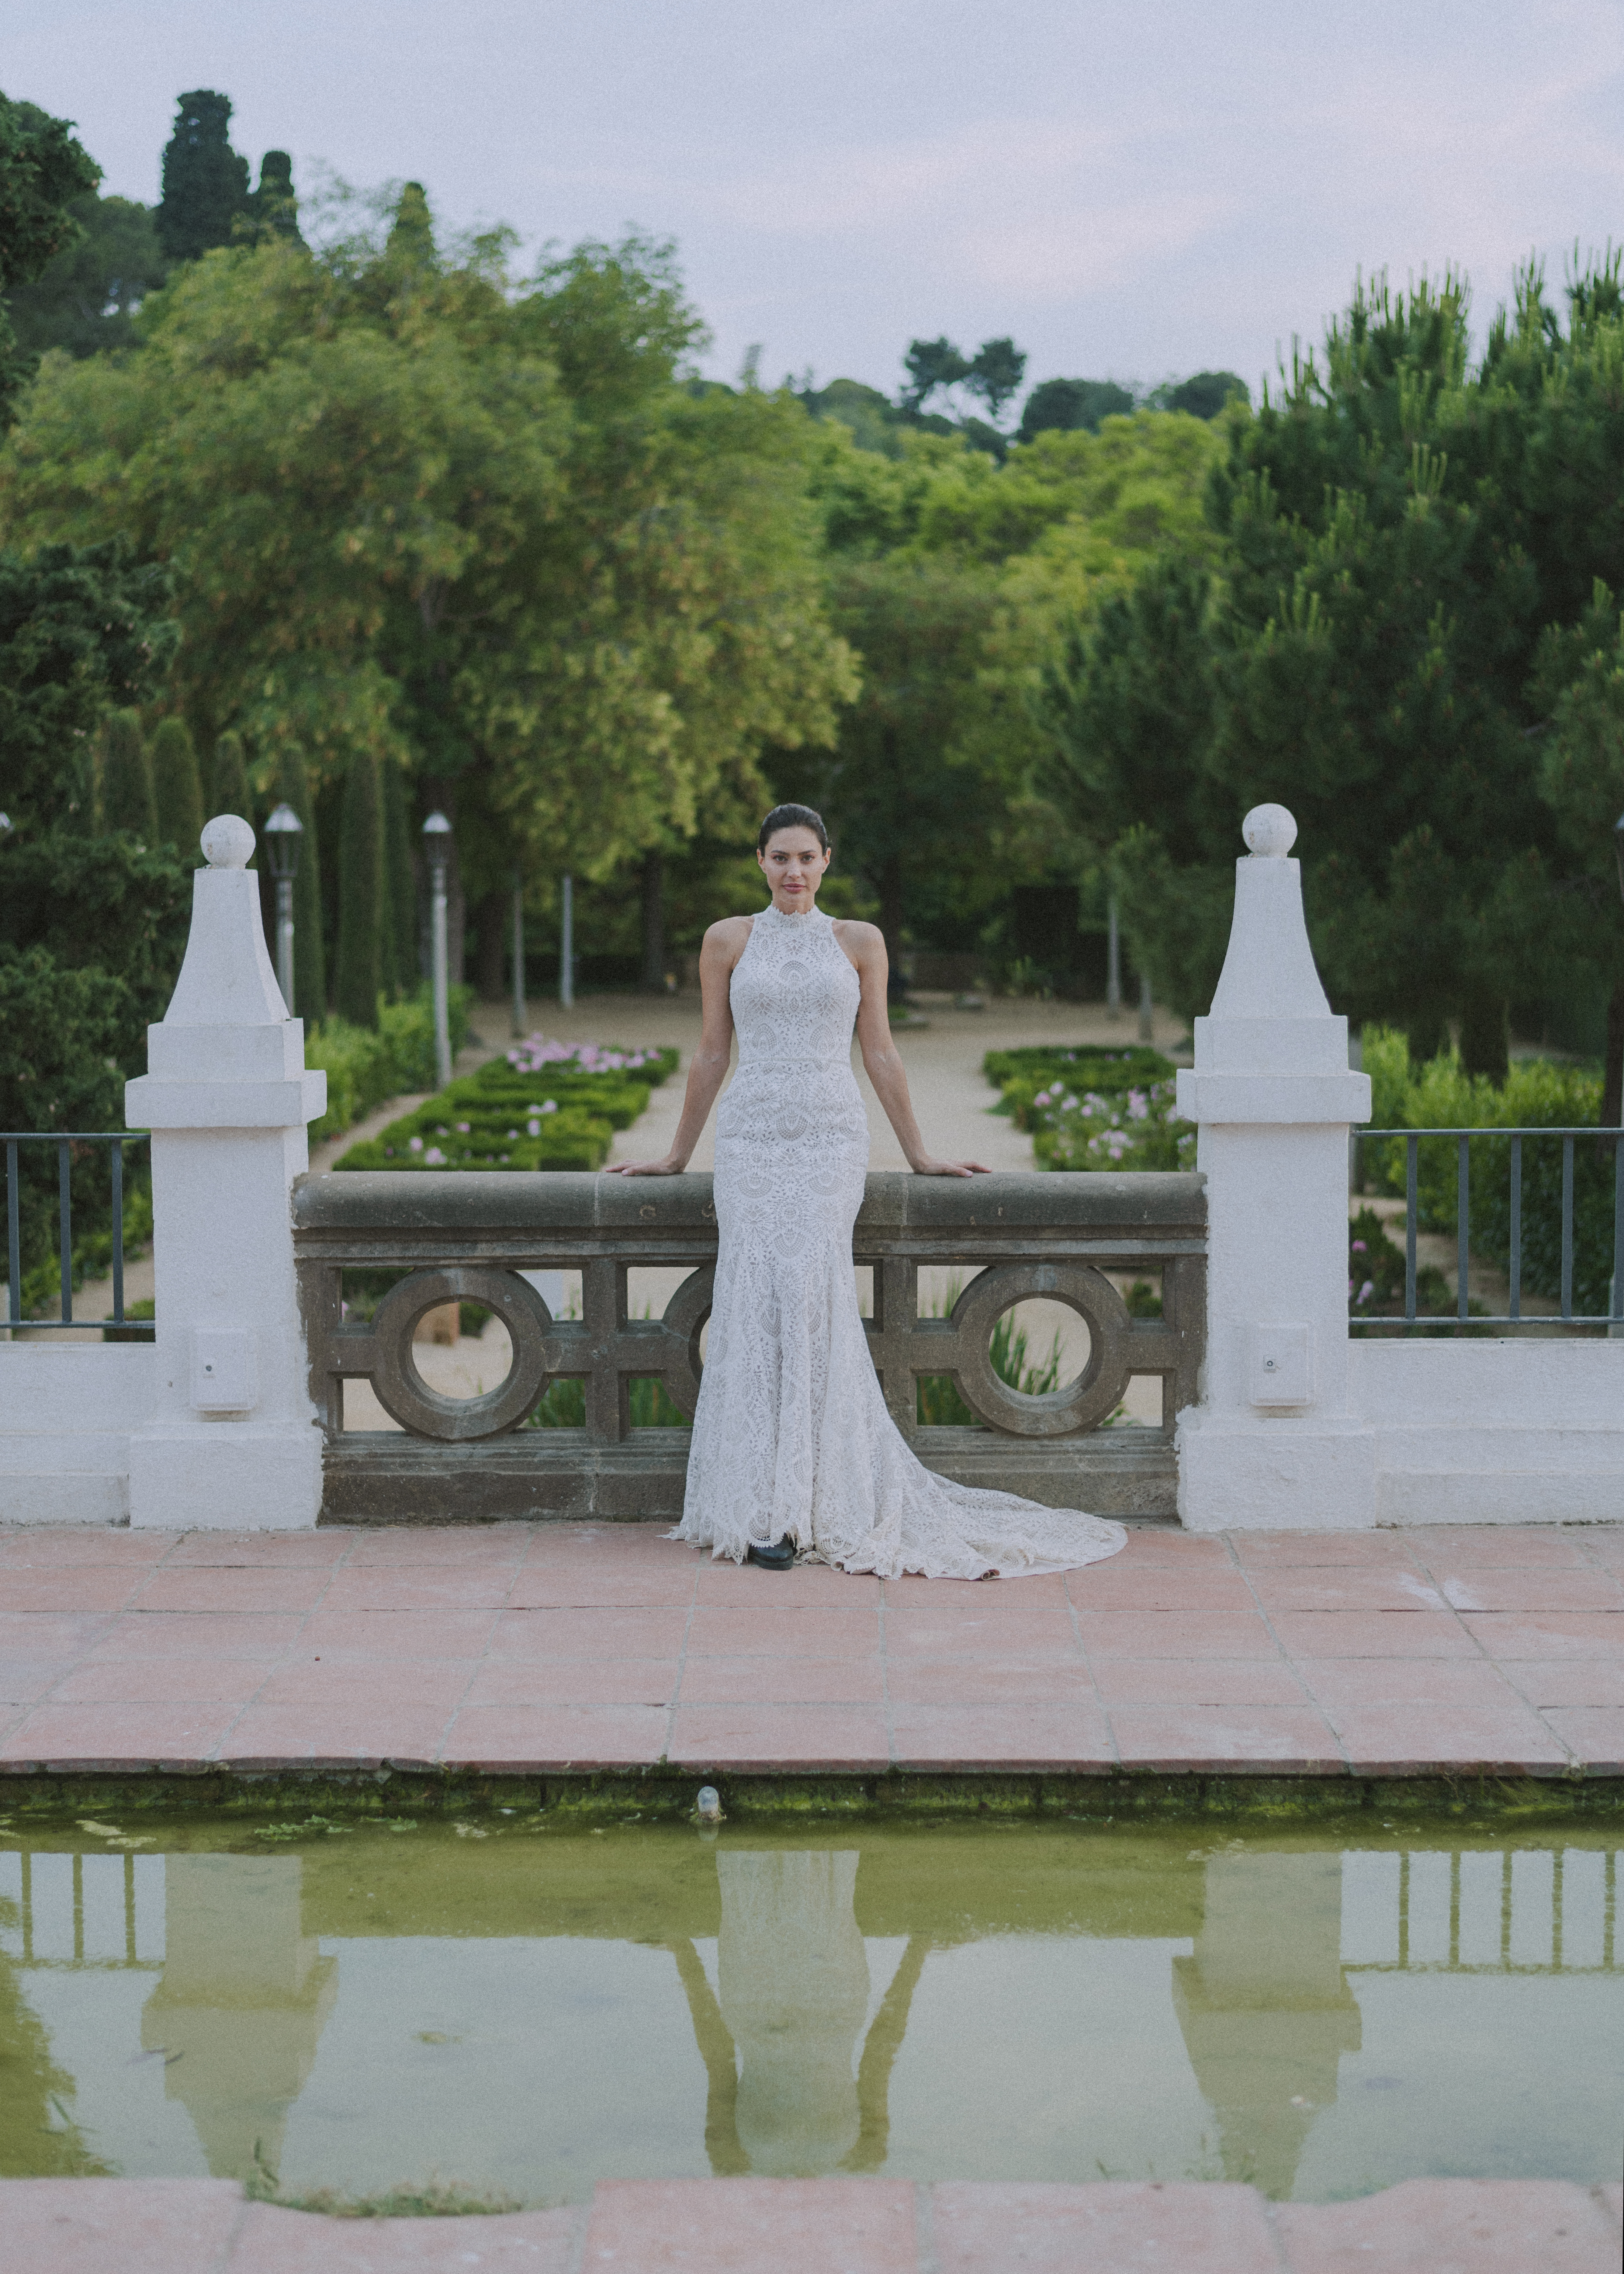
(708, 1805)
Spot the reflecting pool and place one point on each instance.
(519, 2010)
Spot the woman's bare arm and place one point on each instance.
(865, 946)
(724, 945)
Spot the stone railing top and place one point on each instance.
(449, 1200)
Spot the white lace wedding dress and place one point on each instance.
(791, 1434)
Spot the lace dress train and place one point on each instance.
(791, 1434)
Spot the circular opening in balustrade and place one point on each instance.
(461, 1351)
(1038, 1346)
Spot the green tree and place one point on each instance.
(1205, 395)
(1579, 684)
(932, 365)
(362, 912)
(127, 801)
(227, 778)
(178, 788)
(995, 375)
(204, 180)
(84, 300)
(1074, 405)
(1397, 530)
(42, 171)
(400, 872)
(81, 631)
(275, 205)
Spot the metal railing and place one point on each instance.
(1513, 1315)
(64, 1140)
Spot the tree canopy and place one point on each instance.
(204, 180)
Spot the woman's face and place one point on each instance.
(794, 864)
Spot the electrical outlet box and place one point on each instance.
(1282, 1373)
(224, 1375)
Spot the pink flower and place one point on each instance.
(1367, 1290)
(1360, 1247)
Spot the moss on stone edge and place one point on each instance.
(663, 1795)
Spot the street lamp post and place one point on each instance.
(520, 1022)
(437, 848)
(567, 943)
(282, 834)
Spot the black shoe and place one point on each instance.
(779, 1557)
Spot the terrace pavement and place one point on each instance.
(831, 2226)
(543, 1648)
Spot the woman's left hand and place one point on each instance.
(929, 1168)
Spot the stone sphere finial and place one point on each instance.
(1270, 831)
(228, 841)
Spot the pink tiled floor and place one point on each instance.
(547, 1647)
(829, 2226)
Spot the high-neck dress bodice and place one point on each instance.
(794, 992)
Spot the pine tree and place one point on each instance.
(401, 871)
(228, 784)
(178, 789)
(309, 965)
(361, 907)
(205, 181)
(126, 799)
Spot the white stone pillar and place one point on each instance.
(232, 1442)
(1274, 1444)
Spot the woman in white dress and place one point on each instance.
(794, 1452)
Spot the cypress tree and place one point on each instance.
(178, 790)
(310, 964)
(361, 907)
(205, 181)
(227, 783)
(126, 778)
(411, 233)
(275, 205)
(401, 870)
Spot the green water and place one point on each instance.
(518, 2009)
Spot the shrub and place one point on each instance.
(366, 1065)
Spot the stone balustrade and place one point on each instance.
(1064, 1239)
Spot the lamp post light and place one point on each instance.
(282, 834)
(437, 846)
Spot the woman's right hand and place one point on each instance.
(671, 1166)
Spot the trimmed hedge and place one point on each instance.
(1092, 1107)
(558, 1114)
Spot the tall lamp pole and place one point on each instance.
(437, 848)
(520, 1020)
(566, 943)
(282, 834)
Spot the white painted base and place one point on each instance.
(53, 1468)
(1287, 1475)
(226, 1477)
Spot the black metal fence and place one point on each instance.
(17, 1193)
(1547, 1223)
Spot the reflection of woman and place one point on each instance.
(795, 1993)
(792, 1448)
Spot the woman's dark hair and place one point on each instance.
(791, 816)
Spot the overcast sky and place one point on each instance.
(1131, 188)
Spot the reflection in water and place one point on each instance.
(238, 2009)
(1265, 2007)
(529, 2016)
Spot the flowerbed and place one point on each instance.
(1094, 1107)
(545, 1105)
